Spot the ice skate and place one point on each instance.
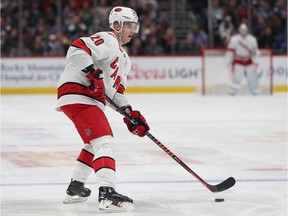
(76, 192)
(110, 200)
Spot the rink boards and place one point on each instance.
(39, 75)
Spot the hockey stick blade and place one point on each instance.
(228, 183)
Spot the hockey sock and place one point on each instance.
(83, 165)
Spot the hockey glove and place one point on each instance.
(96, 83)
(137, 125)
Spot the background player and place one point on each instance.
(241, 56)
(96, 65)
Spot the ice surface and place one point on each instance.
(217, 137)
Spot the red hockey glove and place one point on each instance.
(138, 124)
(96, 83)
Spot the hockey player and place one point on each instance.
(98, 66)
(241, 57)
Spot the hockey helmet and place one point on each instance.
(121, 15)
(243, 29)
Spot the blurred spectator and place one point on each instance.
(243, 12)
(53, 47)
(152, 30)
(263, 9)
(164, 19)
(259, 24)
(8, 41)
(146, 29)
(38, 46)
(266, 38)
(232, 11)
(137, 47)
(153, 47)
(198, 39)
(40, 28)
(20, 50)
(100, 16)
(87, 14)
(150, 9)
(226, 29)
(280, 9)
(49, 11)
(189, 47)
(217, 15)
(68, 13)
(195, 41)
(168, 40)
(280, 42)
(65, 41)
(77, 28)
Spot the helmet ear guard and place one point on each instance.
(121, 15)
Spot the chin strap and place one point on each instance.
(120, 34)
(120, 37)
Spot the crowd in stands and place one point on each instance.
(48, 27)
(268, 21)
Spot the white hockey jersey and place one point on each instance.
(242, 50)
(101, 49)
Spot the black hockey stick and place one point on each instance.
(228, 183)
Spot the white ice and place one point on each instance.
(216, 136)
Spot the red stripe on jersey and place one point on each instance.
(121, 89)
(243, 62)
(111, 34)
(79, 43)
(104, 162)
(85, 157)
(76, 88)
(245, 47)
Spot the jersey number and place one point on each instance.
(97, 40)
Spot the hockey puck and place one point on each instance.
(219, 200)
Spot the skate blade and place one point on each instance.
(74, 199)
(107, 206)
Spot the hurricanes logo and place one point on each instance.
(88, 132)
